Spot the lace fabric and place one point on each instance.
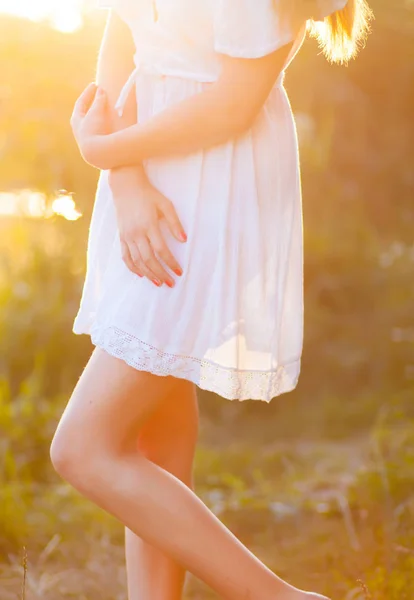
(232, 384)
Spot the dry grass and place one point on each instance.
(335, 517)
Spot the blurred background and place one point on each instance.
(319, 482)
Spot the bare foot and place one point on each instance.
(293, 593)
(300, 595)
(310, 596)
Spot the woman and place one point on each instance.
(200, 191)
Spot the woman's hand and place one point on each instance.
(139, 207)
(90, 125)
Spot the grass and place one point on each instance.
(334, 516)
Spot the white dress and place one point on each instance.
(233, 323)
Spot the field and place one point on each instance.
(319, 483)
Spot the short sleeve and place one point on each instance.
(250, 28)
(254, 28)
(105, 3)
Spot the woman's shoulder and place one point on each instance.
(253, 28)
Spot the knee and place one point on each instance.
(60, 455)
(66, 457)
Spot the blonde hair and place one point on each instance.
(342, 34)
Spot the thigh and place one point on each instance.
(169, 436)
(111, 403)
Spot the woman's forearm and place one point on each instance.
(115, 62)
(221, 112)
(198, 122)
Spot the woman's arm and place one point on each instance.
(139, 206)
(115, 63)
(223, 111)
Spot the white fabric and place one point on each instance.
(253, 28)
(324, 8)
(233, 324)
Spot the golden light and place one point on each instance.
(66, 207)
(32, 204)
(35, 204)
(64, 15)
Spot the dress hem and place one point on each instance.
(230, 383)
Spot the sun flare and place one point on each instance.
(35, 205)
(64, 15)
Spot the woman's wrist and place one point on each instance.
(119, 177)
(128, 185)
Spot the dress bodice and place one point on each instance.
(188, 37)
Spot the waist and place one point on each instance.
(163, 70)
(160, 69)
(201, 73)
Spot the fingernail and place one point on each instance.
(183, 236)
(178, 272)
(158, 283)
(170, 283)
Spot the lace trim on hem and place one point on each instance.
(232, 384)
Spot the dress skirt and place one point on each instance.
(233, 323)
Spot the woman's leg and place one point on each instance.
(94, 448)
(168, 439)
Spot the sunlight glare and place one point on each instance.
(32, 204)
(64, 15)
(65, 206)
(36, 204)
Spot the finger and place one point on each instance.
(84, 102)
(99, 101)
(139, 264)
(82, 106)
(174, 223)
(152, 263)
(161, 250)
(126, 257)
